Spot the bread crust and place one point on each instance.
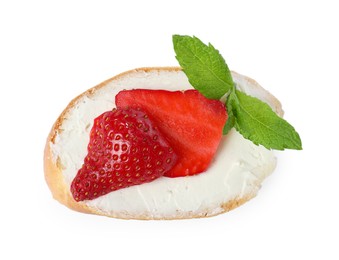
(61, 192)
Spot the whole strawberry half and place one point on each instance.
(192, 123)
(126, 148)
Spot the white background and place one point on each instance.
(52, 51)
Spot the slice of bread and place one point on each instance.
(165, 198)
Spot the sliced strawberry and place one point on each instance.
(125, 149)
(192, 123)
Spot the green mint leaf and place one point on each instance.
(229, 123)
(230, 103)
(256, 121)
(205, 68)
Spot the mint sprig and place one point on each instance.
(208, 72)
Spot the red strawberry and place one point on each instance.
(192, 123)
(125, 149)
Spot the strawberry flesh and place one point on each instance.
(126, 148)
(192, 124)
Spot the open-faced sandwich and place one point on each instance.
(168, 142)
